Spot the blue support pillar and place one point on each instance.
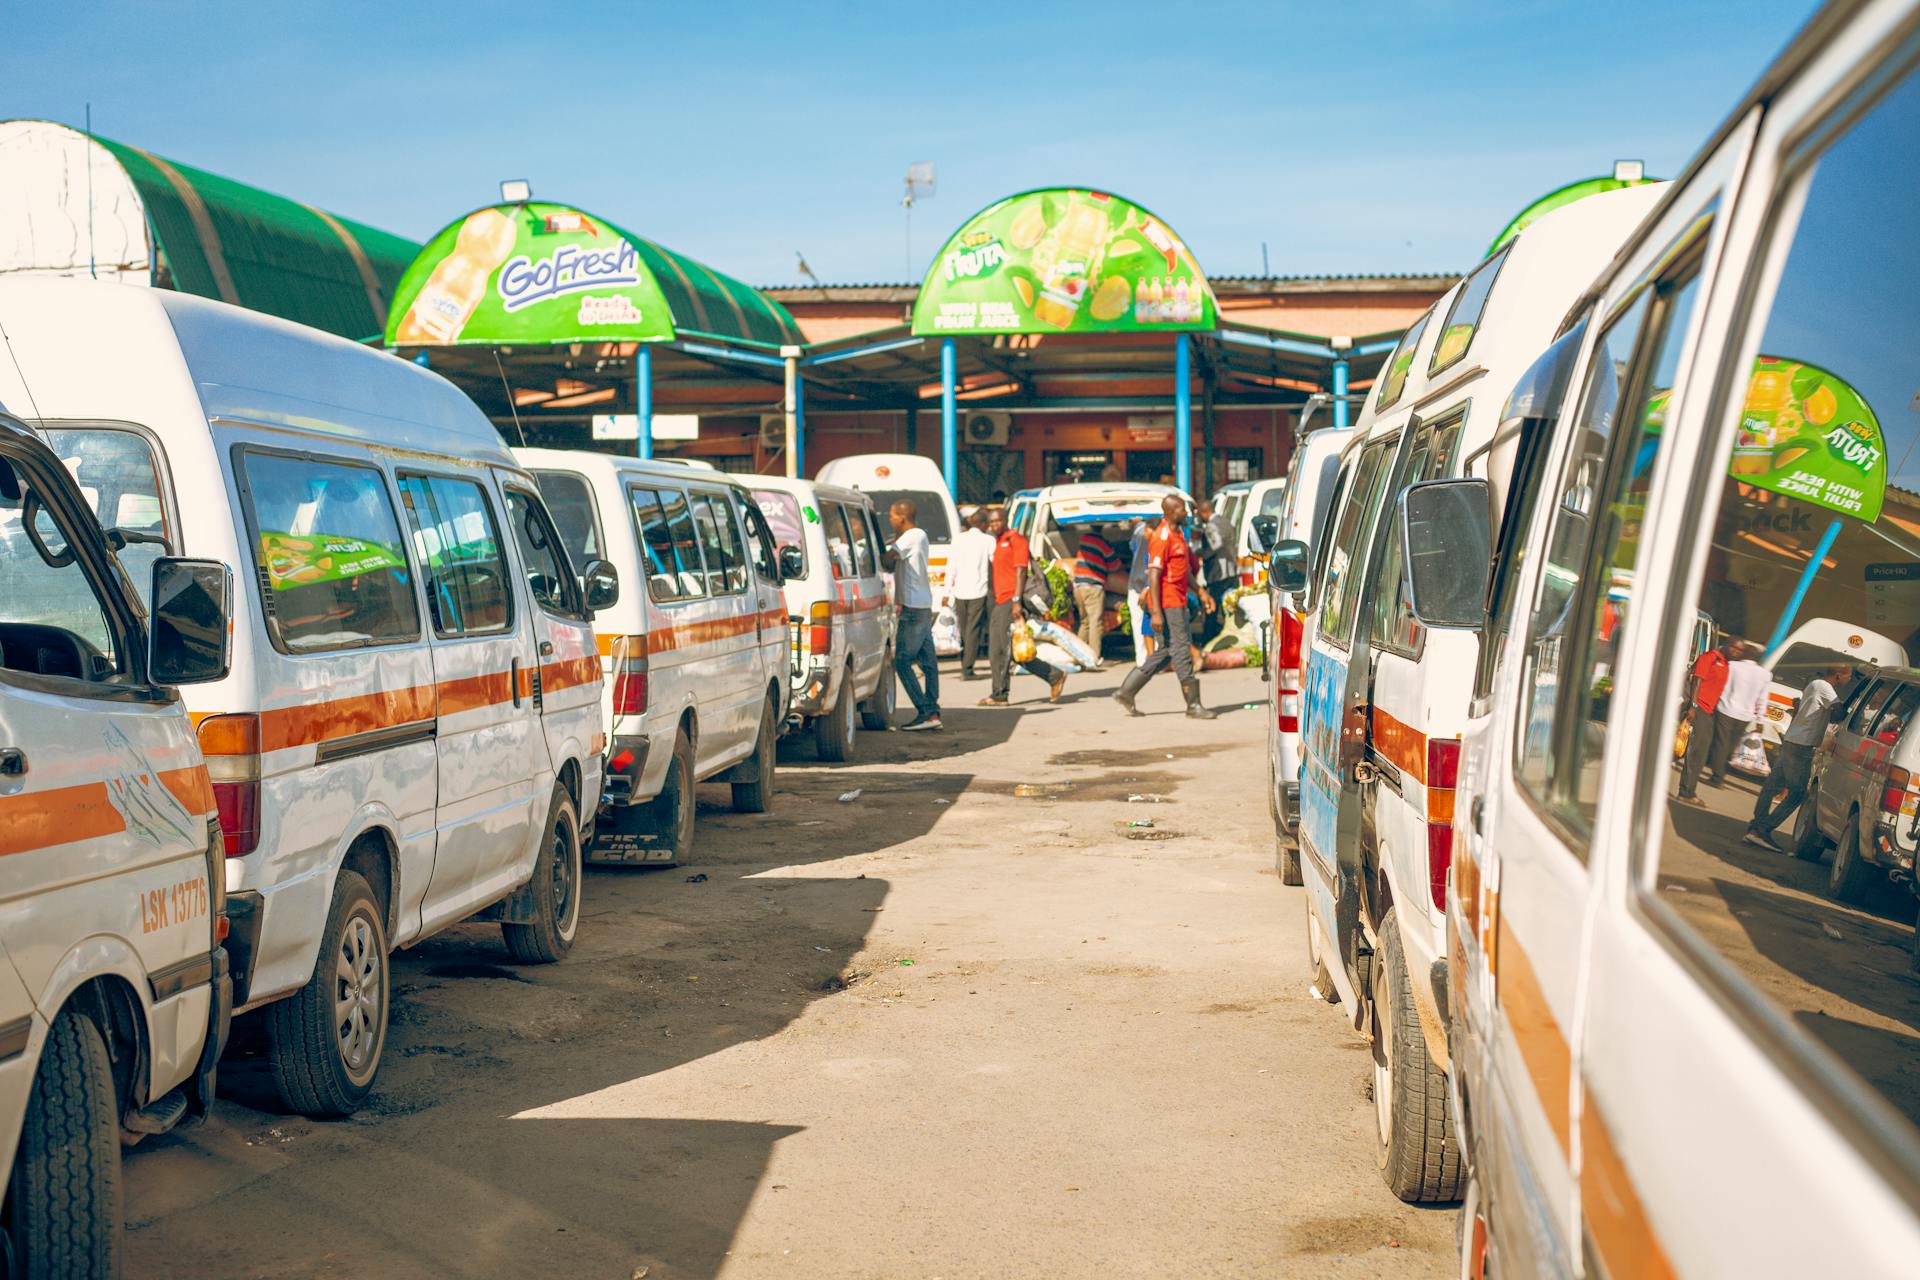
(1183, 412)
(643, 397)
(949, 424)
(1784, 627)
(1339, 393)
(799, 427)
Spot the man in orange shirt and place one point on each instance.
(1170, 570)
(1011, 560)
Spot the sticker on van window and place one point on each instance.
(304, 560)
(813, 517)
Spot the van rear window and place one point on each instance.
(328, 552)
(930, 514)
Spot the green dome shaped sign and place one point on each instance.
(1063, 260)
(1559, 199)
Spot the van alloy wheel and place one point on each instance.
(876, 713)
(324, 1042)
(358, 993)
(555, 890)
(1852, 877)
(1808, 843)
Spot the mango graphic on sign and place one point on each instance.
(1806, 433)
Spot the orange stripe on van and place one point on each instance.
(1542, 1045)
(471, 693)
(569, 673)
(41, 819)
(1401, 745)
(689, 635)
(191, 787)
(1615, 1217)
(319, 722)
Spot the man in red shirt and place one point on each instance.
(1011, 560)
(1170, 570)
(1708, 741)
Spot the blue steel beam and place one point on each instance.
(1375, 348)
(1183, 413)
(1270, 343)
(949, 425)
(643, 397)
(1339, 394)
(728, 353)
(799, 427)
(854, 353)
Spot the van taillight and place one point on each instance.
(1291, 633)
(231, 744)
(630, 687)
(1893, 800)
(1443, 774)
(1443, 762)
(820, 628)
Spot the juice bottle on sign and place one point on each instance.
(1769, 393)
(1064, 286)
(447, 300)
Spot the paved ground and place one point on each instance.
(958, 1025)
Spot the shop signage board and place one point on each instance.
(533, 273)
(1064, 260)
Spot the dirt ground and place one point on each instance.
(963, 1023)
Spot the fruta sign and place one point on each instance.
(525, 280)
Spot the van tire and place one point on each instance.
(1852, 877)
(1286, 859)
(1808, 843)
(876, 713)
(555, 887)
(833, 732)
(755, 795)
(1319, 980)
(66, 1210)
(670, 814)
(310, 1069)
(1418, 1151)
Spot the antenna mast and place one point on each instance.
(920, 184)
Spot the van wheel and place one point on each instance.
(670, 813)
(1320, 981)
(1808, 843)
(876, 713)
(1419, 1155)
(1286, 859)
(755, 795)
(833, 732)
(324, 1042)
(64, 1208)
(556, 890)
(1852, 876)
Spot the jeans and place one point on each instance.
(913, 654)
(972, 617)
(1792, 768)
(1000, 653)
(1176, 647)
(1709, 747)
(1090, 598)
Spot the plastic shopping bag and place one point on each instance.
(1681, 737)
(1751, 755)
(1023, 647)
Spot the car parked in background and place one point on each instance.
(1812, 646)
(1864, 800)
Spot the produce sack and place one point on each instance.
(1054, 656)
(1053, 633)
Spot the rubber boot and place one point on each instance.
(1191, 687)
(1136, 681)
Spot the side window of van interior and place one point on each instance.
(456, 540)
(1393, 378)
(569, 501)
(833, 520)
(1392, 624)
(119, 476)
(1456, 334)
(674, 570)
(1339, 606)
(876, 538)
(1811, 506)
(52, 622)
(856, 525)
(550, 579)
(760, 539)
(727, 570)
(784, 520)
(332, 565)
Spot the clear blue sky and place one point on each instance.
(1355, 137)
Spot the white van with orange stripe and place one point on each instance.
(114, 989)
(412, 724)
(1673, 1054)
(696, 650)
(886, 478)
(839, 606)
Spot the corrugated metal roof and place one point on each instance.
(223, 239)
(706, 303)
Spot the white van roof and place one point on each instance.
(884, 471)
(97, 350)
(592, 462)
(802, 488)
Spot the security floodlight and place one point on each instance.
(1629, 170)
(516, 191)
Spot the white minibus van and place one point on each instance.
(1674, 1055)
(114, 987)
(696, 648)
(840, 609)
(411, 727)
(1386, 700)
(888, 477)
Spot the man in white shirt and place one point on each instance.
(913, 653)
(1793, 759)
(1742, 703)
(971, 569)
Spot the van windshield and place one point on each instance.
(1802, 662)
(931, 512)
(782, 511)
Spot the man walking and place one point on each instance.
(1170, 570)
(1793, 761)
(1138, 558)
(1011, 560)
(1729, 691)
(913, 644)
(1091, 568)
(971, 570)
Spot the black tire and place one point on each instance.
(670, 814)
(1808, 843)
(1318, 977)
(556, 887)
(63, 1205)
(833, 732)
(1852, 877)
(315, 1070)
(1286, 859)
(876, 713)
(755, 795)
(1418, 1151)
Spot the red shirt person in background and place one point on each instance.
(1169, 573)
(1011, 560)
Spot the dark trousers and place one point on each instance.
(1176, 647)
(1000, 652)
(913, 655)
(1792, 767)
(1709, 748)
(972, 617)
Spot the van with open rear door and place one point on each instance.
(888, 477)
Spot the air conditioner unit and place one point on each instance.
(773, 431)
(988, 428)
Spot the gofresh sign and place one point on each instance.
(531, 273)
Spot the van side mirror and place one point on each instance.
(1287, 565)
(1266, 531)
(188, 640)
(600, 583)
(1446, 527)
(792, 563)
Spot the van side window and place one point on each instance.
(674, 570)
(1340, 604)
(569, 501)
(1893, 719)
(788, 526)
(327, 549)
(856, 525)
(833, 522)
(1808, 494)
(726, 562)
(1463, 318)
(760, 548)
(455, 538)
(119, 475)
(52, 621)
(1392, 625)
(1393, 379)
(550, 578)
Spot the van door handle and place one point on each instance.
(513, 678)
(13, 762)
(546, 648)
(1474, 812)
